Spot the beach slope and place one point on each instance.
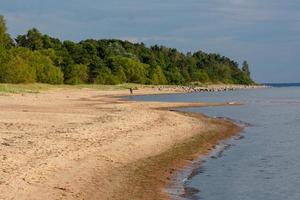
(91, 144)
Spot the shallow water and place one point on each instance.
(265, 164)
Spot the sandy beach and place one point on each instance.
(91, 144)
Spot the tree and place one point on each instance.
(49, 60)
(76, 74)
(25, 66)
(94, 68)
(46, 72)
(3, 30)
(5, 43)
(174, 76)
(17, 69)
(246, 69)
(5, 40)
(157, 76)
(56, 59)
(120, 75)
(77, 52)
(134, 71)
(201, 76)
(32, 40)
(105, 76)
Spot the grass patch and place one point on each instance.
(23, 88)
(38, 87)
(124, 86)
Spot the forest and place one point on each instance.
(38, 58)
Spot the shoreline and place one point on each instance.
(172, 89)
(166, 178)
(179, 157)
(177, 188)
(91, 144)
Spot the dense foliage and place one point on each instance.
(35, 57)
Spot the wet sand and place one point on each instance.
(91, 144)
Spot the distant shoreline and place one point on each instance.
(210, 88)
(282, 84)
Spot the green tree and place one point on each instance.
(56, 59)
(157, 76)
(25, 66)
(32, 40)
(134, 71)
(120, 75)
(174, 76)
(46, 72)
(76, 74)
(200, 76)
(17, 70)
(5, 40)
(105, 76)
(245, 68)
(49, 60)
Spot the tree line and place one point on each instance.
(36, 57)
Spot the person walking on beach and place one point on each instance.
(131, 90)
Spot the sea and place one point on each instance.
(263, 163)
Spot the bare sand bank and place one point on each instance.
(90, 144)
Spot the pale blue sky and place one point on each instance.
(264, 32)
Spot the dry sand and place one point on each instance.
(89, 144)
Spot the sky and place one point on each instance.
(266, 33)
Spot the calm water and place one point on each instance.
(265, 164)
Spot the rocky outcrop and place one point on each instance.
(209, 88)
